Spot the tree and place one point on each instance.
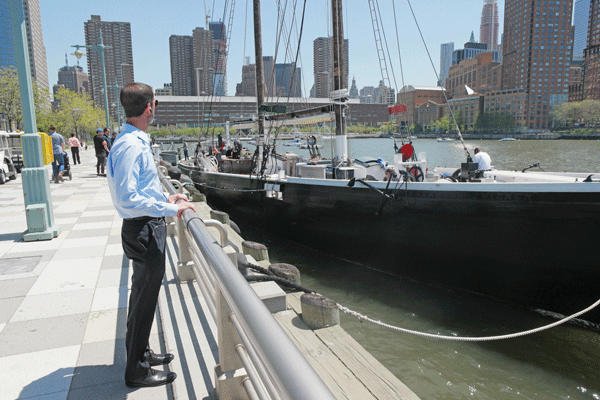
(10, 97)
(443, 124)
(77, 113)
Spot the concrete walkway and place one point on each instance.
(63, 303)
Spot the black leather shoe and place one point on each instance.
(158, 359)
(154, 378)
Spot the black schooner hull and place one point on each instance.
(532, 245)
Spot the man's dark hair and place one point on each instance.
(135, 97)
(72, 134)
(105, 129)
(52, 127)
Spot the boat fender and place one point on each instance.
(235, 227)
(185, 179)
(174, 172)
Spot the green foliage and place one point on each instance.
(495, 121)
(584, 113)
(77, 114)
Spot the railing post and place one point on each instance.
(185, 263)
(229, 373)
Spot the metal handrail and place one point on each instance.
(286, 368)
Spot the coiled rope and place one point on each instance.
(361, 317)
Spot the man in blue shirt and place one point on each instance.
(58, 146)
(138, 197)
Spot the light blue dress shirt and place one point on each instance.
(133, 179)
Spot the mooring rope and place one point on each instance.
(361, 317)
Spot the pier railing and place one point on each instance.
(257, 360)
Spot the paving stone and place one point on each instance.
(42, 334)
(15, 287)
(52, 373)
(54, 305)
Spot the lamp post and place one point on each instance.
(117, 104)
(36, 186)
(100, 47)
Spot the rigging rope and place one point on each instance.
(438, 78)
(361, 317)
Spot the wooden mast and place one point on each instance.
(260, 83)
(339, 81)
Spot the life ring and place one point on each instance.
(417, 172)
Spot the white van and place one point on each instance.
(7, 168)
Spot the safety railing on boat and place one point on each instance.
(249, 337)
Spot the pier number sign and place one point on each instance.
(397, 109)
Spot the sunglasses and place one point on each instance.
(155, 103)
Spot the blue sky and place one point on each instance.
(152, 22)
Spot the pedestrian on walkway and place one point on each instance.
(106, 135)
(74, 144)
(58, 147)
(139, 199)
(101, 148)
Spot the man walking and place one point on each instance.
(139, 199)
(58, 146)
(74, 144)
(101, 148)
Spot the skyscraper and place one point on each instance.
(181, 55)
(323, 65)
(446, 50)
(488, 30)
(591, 55)
(35, 40)
(287, 80)
(581, 18)
(220, 58)
(118, 59)
(537, 50)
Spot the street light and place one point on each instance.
(117, 105)
(100, 47)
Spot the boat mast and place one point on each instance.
(339, 95)
(260, 83)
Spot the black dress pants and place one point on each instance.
(75, 154)
(144, 242)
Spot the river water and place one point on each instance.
(561, 363)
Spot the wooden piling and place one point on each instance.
(318, 311)
(257, 251)
(286, 271)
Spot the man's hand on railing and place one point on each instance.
(182, 203)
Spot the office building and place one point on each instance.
(185, 111)
(480, 74)
(181, 56)
(446, 50)
(581, 19)
(412, 97)
(537, 49)
(220, 58)
(288, 80)
(248, 85)
(470, 50)
(488, 30)
(353, 90)
(118, 60)
(35, 41)
(591, 55)
(323, 66)
(166, 90)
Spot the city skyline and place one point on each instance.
(151, 40)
